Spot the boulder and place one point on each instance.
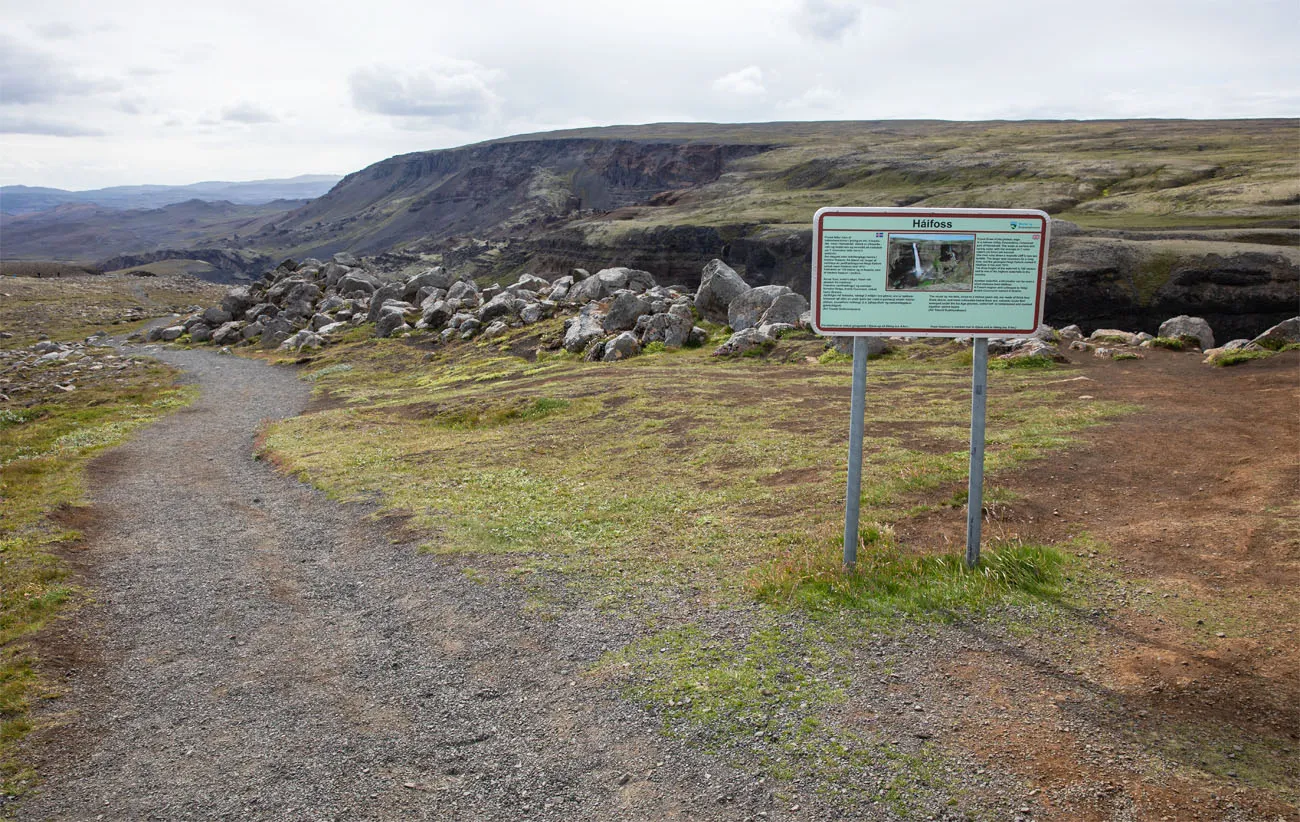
(200, 333)
(1187, 327)
(436, 277)
(391, 291)
(624, 310)
(331, 303)
(560, 288)
(588, 290)
(303, 339)
(531, 313)
(435, 316)
(621, 347)
(1034, 347)
(171, 332)
(304, 293)
(469, 328)
(1282, 334)
(747, 308)
(466, 292)
(217, 316)
(579, 274)
(787, 308)
(1214, 355)
(228, 333)
(237, 301)
(1114, 335)
(742, 342)
(358, 282)
(495, 329)
(332, 273)
(719, 285)
(673, 330)
(1071, 332)
(275, 331)
(585, 327)
(319, 321)
(530, 282)
(331, 328)
(392, 320)
(261, 310)
(844, 345)
(346, 258)
(502, 305)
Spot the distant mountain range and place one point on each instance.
(30, 199)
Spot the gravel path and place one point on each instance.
(256, 651)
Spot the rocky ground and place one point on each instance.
(256, 650)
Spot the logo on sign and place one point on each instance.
(880, 233)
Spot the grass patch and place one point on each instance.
(1035, 361)
(1228, 358)
(890, 583)
(43, 451)
(1171, 343)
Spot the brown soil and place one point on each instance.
(1194, 500)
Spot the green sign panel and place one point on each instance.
(956, 272)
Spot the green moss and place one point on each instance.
(1228, 358)
(1171, 343)
(1151, 275)
(1036, 361)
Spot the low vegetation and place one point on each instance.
(44, 448)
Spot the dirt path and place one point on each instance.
(261, 652)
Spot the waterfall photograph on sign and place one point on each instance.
(931, 262)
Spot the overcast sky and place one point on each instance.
(125, 92)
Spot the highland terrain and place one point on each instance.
(517, 493)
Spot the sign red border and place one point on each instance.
(1010, 213)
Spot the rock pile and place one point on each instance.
(30, 375)
(616, 312)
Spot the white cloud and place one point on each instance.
(827, 20)
(246, 112)
(13, 124)
(458, 91)
(747, 82)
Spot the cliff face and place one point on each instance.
(497, 189)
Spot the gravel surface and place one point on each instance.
(256, 651)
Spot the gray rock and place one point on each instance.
(742, 342)
(698, 337)
(1282, 334)
(331, 303)
(1034, 347)
(201, 333)
(579, 274)
(275, 331)
(305, 293)
(1189, 327)
(237, 301)
(775, 330)
(228, 333)
(844, 345)
(747, 308)
(673, 330)
(217, 316)
(584, 328)
(448, 334)
(490, 292)
(332, 328)
(460, 318)
(531, 313)
(624, 310)
(469, 328)
(261, 310)
(332, 273)
(787, 308)
(391, 321)
(319, 321)
(436, 277)
(466, 292)
(502, 305)
(560, 288)
(303, 339)
(588, 290)
(171, 332)
(719, 285)
(1114, 335)
(435, 316)
(391, 291)
(530, 282)
(595, 351)
(623, 346)
(495, 329)
(358, 282)
(1071, 332)
(346, 258)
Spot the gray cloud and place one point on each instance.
(56, 31)
(30, 76)
(827, 19)
(455, 90)
(246, 112)
(10, 124)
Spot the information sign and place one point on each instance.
(957, 272)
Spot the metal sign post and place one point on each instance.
(928, 272)
(857, 422)
(979, 384)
